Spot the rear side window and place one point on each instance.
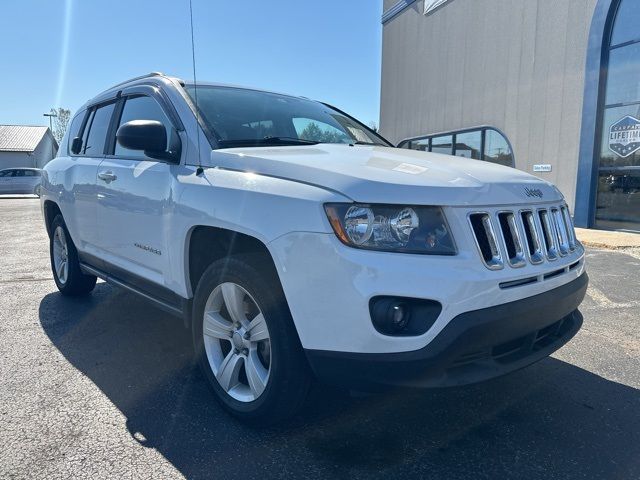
(142, 108)
(31, 173)
(95, 140)
(74, 130)
(6, 173)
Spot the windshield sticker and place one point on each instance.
(624, 136)
(410, 168)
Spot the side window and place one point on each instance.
(309, 129)
(74, 130)
(18, 173)
(30, 173)
(95, 140)
(142, 108)
(496, 149)
(5, 173)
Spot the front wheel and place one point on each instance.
(246, 343)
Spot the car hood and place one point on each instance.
(372, 174)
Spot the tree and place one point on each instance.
(314, 133)
(60, 122)
(373, 126)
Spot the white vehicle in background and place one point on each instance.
(20, 181)
(296, 243)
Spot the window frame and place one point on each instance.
(85, 116)
(143, 90)
(87, 122)
(454, 133)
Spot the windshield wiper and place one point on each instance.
(256, 142)
(295, 140)
(360, 142)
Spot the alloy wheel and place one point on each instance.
(60, 254)
(237, 342)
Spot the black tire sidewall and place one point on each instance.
(77, 282)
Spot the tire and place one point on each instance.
(65, 264)
(288, 376)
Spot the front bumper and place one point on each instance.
(472, 347)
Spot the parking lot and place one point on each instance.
(104, 387)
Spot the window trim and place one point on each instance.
(165, 105)
(454, 133)
(85, 113)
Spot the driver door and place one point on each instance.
(135, 199)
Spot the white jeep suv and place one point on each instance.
(296, 243)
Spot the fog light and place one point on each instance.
(403, 317)
(399, 317)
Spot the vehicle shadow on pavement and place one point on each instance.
(550, 420)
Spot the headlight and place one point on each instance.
(407, 229)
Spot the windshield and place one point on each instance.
(239, 117)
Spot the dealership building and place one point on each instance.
(551, 87)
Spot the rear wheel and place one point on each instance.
(246, 342)
(65, 263)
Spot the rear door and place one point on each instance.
(92, 129)
(19, 181)
(135, 197)
(6, 181)
(31, 180)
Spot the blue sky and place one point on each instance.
(62, 52)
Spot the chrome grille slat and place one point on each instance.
(560, 229)
(533, 238)
(548, 234)
(569, 225)
(485, 238)
(531, 235)
(511, 239)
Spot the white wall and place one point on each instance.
(42, 154)
(16, 159)
(514, 64)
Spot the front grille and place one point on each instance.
(531, 235)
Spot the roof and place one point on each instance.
(21, 138)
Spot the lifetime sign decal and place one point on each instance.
(624, 136)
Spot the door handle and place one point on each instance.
(107, 176)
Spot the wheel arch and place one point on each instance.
(206, 244)
(50, 210)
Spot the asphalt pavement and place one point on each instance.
(104, 387)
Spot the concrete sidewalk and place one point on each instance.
(608, 239)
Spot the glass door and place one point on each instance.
(618, 200)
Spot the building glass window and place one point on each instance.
(422, 144)
(442, 144)
(618, 198)
(483, 143)
(497, 149)
(469, 144)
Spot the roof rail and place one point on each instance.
(152, 74)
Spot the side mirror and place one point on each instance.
(146, 135)
(76, 145)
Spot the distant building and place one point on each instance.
(551, 87)
(26, 146)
